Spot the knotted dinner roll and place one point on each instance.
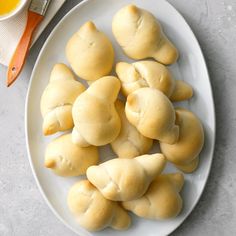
(151, 112)
(162, 199)
(93, 211)
(182, 91)
(90, 52)
(96, 119)
(184, 153)
(144, 74)
(154, 75)
(67, 159)
(58, 98)
(126, 179)
(140, 35)
(129, 143)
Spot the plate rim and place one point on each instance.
(211, 153)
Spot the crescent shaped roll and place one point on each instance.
(95, 117)
(184, 153)
(151, 112)
(123, 179)
(93, 211)
(141, 36)
(129, 143)
(162, 199)
(90, 52)
(67, 159)
(58, 98)
(154, 75)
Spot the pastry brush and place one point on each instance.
(36, 12)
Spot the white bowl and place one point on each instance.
(15, 12)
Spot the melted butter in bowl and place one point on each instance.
(7, 6)
(10, 8)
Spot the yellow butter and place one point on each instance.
(7, 6)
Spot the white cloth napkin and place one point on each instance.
(11, 30)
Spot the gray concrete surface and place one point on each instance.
(23, 212)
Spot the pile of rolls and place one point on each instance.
(94, 116)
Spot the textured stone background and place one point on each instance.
(23, 212)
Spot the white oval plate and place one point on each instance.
(190, 67)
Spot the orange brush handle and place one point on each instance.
(19, 56)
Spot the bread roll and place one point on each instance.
(96, 119)
(182, 91)
(140, 35)
(151, 112)
(162, 199)
(184, 153)
(90, 52)
(93, 211)
(67, 159)
(154, 75)
(126, 179)
(129, 143)
(58, 98)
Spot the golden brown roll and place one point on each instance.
(153, 75)
(58, 98)
(129, 143)
(184, 153)
(151, 112)
(67, 159)
(182, 91)
(95, 117)
(90, 52)
(122, 179)
(93, 211)
(141, 36)
(162, 199)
